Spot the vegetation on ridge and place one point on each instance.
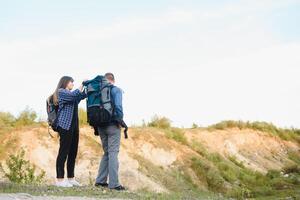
(283, 133)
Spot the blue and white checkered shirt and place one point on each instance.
(67, 100)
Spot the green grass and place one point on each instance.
(294, 156)
(176, 134)
(177, 181)
(233, 179)
(55, 191)
(291, 134)
(208, 174)
(90, 191)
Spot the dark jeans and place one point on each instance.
(67, 150)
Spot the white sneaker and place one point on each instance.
(73, 182)
(63, 183)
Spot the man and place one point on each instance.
(110, 138)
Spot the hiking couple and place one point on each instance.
(66, 101)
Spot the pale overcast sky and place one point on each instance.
(192, 61)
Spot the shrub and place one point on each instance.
(206, 172)
(26, 117)
(160, 122)
(280, 184)
(21, 170)
(200, 167)
(229, 124)
(214, 180)
(273, 174)
(6, 120)
(194, 126)
(293, 168)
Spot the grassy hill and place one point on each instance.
(229, 159)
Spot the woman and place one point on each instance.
(68, 129)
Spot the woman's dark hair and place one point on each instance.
(63, 83)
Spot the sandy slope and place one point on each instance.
(259, 151)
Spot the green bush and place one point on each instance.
(273, 174)
(293, 168)
(6, 120)
(207, 173)
(21, 170)
(26, 117)
(160, 122)
(194, 126)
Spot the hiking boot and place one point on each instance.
(119, 188)
(105, 185)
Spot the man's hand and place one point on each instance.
(122, 124)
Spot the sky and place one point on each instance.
(193, 61)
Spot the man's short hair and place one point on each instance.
(110, 76)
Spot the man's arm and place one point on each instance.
(117, 98)
(118, 114)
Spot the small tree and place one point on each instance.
(160, 122)
(21, 170)
(26, 117)
(194, 126)
(6, 120)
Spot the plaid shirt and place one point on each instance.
(67, 100)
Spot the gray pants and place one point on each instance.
(109, 165)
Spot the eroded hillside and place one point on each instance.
(229, 161)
